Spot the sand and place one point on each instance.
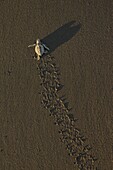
(83, 54)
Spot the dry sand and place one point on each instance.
(29, 139)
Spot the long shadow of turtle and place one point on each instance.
(61, 35)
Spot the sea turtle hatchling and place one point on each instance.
(40, 48)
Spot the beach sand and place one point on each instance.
(29, 139)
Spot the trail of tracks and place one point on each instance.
(75, 142)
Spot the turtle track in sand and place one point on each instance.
(74, 141)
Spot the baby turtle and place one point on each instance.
(40, 48)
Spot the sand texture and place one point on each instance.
(56, 113)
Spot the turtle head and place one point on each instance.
(38, 41)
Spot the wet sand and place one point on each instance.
(29, 137)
